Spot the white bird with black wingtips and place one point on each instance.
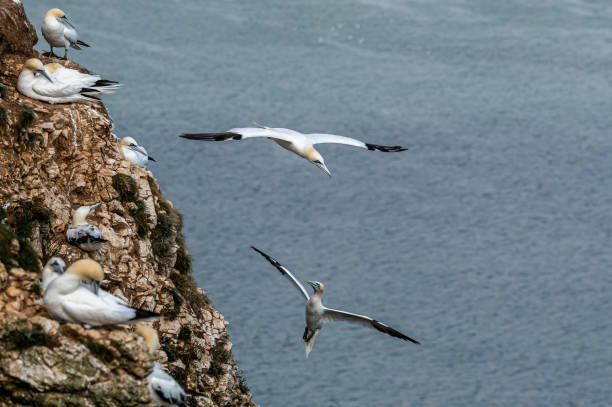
(294, 141)
(83, 235)
(316, 313)
(134, 153)
(165, 391)
(59, 32)
(68, 299)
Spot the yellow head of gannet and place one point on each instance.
(150, 337)
(55, 12)
(35, 66)
(317, 287)
(88, 270)
(314, 157)
(80, 215)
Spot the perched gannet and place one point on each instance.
(134, 153)
(83, 235)
(316, 312)
(165, 391)
(34, 81)
(67, 299)
(296, 142)
(95, 83)
(59, 32)
(53, 268)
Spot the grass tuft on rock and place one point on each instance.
(3, 116)
(179, 375)
(28, 117)
(35, 289)
(183, 260)
(186, 285)
(184, 334)
(101, 351)
(3, 92)
(242, 382)
(219, 353)
(126, 187)
(23, 338)
(140, 218)
(215, 369)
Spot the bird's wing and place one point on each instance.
(86, 307)
(284, 272)
(139, 150)
(44, 87)
(337, 315)
(244, 133)
(67, 75)
(317, 138)
(166, 388)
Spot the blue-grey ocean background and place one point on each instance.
(489, 240)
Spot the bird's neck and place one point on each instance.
(66, 283)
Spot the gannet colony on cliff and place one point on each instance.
(73, 294)
(294, 141)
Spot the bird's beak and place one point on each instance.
(45, 74)
(95, 287)
(323, 168)
(65, 20)
(92, 207)
(310, 283)
(152, 159)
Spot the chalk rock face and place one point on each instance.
(17, 34)
(53, 159)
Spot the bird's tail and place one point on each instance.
(310, 342)
(143, 315)
(100, 87)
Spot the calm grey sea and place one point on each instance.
(489, 240)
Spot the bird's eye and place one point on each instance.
(132, 145)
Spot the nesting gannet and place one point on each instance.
(34, 81)
(83, 235)
(67, 299)
(53, 268)
(165, 391)
(296, 142)
(59, 32)
(316, 312)
(134, 153)
(95, 83)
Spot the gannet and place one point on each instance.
(134, 153)
(83, 235)
(98, 86)
(34, 81)
(296, 142)
(316, 313)
(59, 32)
(165, 391)
(67, 299)
(53, 268)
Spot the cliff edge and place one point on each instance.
(53, 159)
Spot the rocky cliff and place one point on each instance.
(53, 159)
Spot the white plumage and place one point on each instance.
(67, 299)
(165, 391)
(134, 153)
(316, 313)
(53, 268)
(35, 82)
(94, 83)
(59, 32)
(294, 141)
(83, 235)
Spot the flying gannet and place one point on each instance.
(53, 268)
(135, 154)
(296, 142)
(83, 235)
(165, 391)
(67, 299)
(316, 313)
(35, 82)
(59, 32)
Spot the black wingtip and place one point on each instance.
(105, 82)
(144, 314)
(212, 136)
(392, 332)
(83, 44)
(385, 149)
